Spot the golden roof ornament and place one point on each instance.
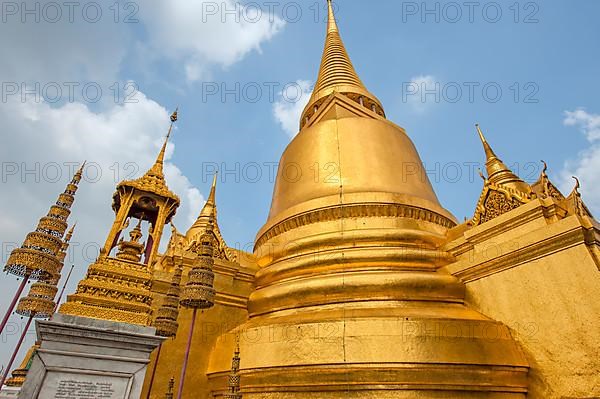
(502, 192)
(574, 202)
(208, 213)
(166, 318)
(498, 172)
(544, 188)
(337, 75)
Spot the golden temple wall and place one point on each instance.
(540, 275)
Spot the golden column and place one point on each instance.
(37, 257)
(351, 300)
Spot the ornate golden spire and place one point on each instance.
(498, 172)
(210, 208)
(337, 74)
(544, 188)
(153, 180)
(157, 168)
(207, 216)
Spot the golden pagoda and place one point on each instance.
(118, 287)
(361, 284)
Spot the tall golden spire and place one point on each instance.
(337, 74)
(498, 172)
(210, 208)
(157, 168)
(154, 179)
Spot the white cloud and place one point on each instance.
(414, 92)
(288, 109)
(201, 33)
(588, 123)
(587, 165)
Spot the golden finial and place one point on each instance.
(210, 207)
(213, 189)
(331, 22)
(136, 233)
(489, 153)
(157, 168)
(79, 173)
(577, 185)
(482, 175)
(545, 169)
(498, 173)
(69, 234)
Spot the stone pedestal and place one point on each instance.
(81, 358)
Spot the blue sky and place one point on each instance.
(173, 53)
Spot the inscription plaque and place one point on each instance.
(64, 385)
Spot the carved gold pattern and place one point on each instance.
(199, 291)
(354, 211)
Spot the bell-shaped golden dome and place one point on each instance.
(350, 282)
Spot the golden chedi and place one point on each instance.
(350, 301)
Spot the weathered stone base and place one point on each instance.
(88, 358)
